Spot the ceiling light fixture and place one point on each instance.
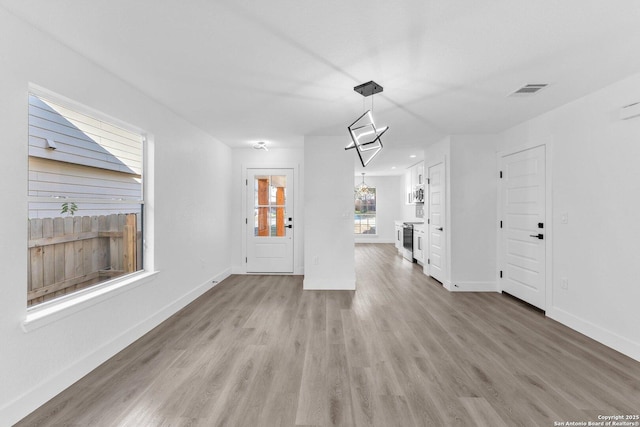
(261, 145)
(362, 190)
(365, 137)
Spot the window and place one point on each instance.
(365, 209)
(85, 200)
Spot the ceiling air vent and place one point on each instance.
(529, 89)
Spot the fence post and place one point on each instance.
(129, 237)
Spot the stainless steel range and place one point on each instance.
(407, 239)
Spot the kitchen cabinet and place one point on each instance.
(398, 235)
(418, 243)
(408, 184)
(414, 184)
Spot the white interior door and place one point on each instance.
(269, 221)
(523, 236)
(436, 226)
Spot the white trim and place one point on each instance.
(64, 306)
(475, 287)
(548, 144)
(49, 312)
(591, 330)
(48, 388)
(81, 108)
(298, 264)
(447, 220)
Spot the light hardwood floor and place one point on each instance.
(400, 351)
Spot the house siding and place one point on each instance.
(81, 139)
(49, 178)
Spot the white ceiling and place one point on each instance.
(248, 70)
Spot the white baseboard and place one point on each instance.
(237, 269)
(474, 287)
(604, 336)
(26, 403)
(328, 284)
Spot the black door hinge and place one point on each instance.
(500, 174)
(246, 220)
(501, 274)
(500, 224)
(428, 180)
(428, 261)
(246, 260)
(246, 182)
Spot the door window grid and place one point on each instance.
(270, 193)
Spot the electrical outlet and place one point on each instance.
(564, 283)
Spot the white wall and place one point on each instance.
(244, 158)
(473, 212)
(329, 254)
(389, 190)
(189, 202)
(470, 219)
(596, 181)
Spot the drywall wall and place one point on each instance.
(389, 191)
(188, 193)
(244, 158)
(596, 183)
(471, 194)
(329, 257)
(473, 212)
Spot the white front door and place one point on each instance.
(269, 221)
(523, 236)
(436, 226)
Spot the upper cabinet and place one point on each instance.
(414, 184)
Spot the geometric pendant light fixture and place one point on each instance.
(365, 136)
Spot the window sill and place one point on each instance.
(50, 312)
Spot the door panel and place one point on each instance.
(523, 209)
(436, 226)
(270, 221)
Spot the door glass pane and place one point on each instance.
(269, 205)
(278, 189)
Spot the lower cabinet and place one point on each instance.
(398, 237)
(418, 244)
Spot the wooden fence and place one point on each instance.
(71, 253)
